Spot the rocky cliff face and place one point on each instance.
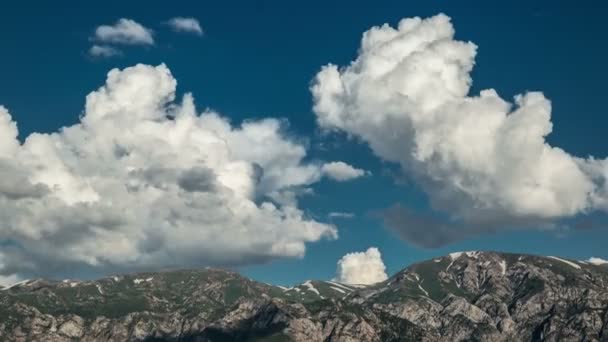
(469, 296)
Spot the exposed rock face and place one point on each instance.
(470, 296)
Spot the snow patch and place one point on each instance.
(437, 260)
(566, 262)
(137, 281)
(311, 287)
(344, 287)
(337, 289)
(455, 255)
(472, 254)
(503, 267)
(423, 290)
(16, 284)
(99, 289)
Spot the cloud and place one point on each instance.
(143, 182)
(124, 31)
(341, 171)
(597, 261)
(423, 229)
(103, 51)
(341, 215)
(480, 158)
(361, 268)
(189, 25)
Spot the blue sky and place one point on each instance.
(258, 59)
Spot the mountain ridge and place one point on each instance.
(474, 295)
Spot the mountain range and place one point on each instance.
(465, 296)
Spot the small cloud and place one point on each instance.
(341, 215)
(188, 25)
(597, 261)
(103, 51)
(342, 172)
(362, 268)
(124, 31)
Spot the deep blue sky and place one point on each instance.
(257, 59)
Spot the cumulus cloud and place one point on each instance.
(143, 181)
(362, 268)
(481, 159)
(597, 261)
(341, 171)
(188, 25)
(103, 51)
(124, 31)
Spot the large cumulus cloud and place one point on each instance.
(143, 181)
(361, 268)
(482, 159)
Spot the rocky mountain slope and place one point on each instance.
(469, 296)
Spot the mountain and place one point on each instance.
(468, 296)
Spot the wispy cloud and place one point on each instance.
(188, 25)
(341, 215)
(341, 172)
(124, 31)
(104, 51)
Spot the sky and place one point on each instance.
(296, 141)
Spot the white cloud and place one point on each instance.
(104, 51)
(144, 182)
(180, 24)
(341, 215)
(125, 31)
(341, 171)
(597, 261)
(479, 157)
(361, 268)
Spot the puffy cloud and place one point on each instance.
(103, 51)
(481, 159)
(125, 31)
(189, 25)
(341, 171)
(341, 215)
(362, 268)
(597, 261)
(144, 182)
